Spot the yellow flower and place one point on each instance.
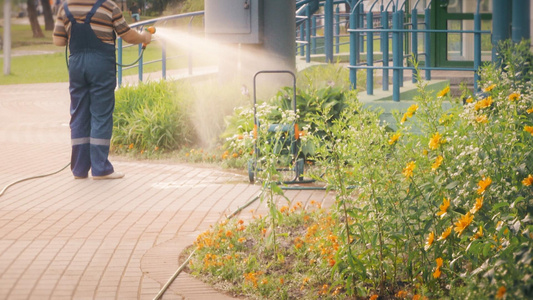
(482, 119)
(408, 170)
(394, 138)
(412, 109)
(445, 234)
(443, 207)
(477, 206)
(437, 272)
(528, 180)
(483, 184)
(483, 103)
(529, 129)
(530, 110)
(444, 92)
(514, 96)
(437, 163)
(501, 292)
(435, 141)
(429, 241)
(404, 118)
(401, 294)
(478, 234)
(463, 223)
(489, 88)
(469, 100)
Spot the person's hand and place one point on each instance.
(147, 37)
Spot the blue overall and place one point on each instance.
(92, 73)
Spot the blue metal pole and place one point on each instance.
(414, 40)
(396, 57)
(400, 43)
(140, 64)
(328, 30)
(427, 44)
(302, 37)
(521, 20)
(164, 59)
(353, 49)
(308, 34)
(477, 46)
(337, 30)
(119, 60)
(369, 55)
(501, 20)
(313, 38)
(385, 48)
(361, 25)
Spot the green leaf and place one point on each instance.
(452, 185)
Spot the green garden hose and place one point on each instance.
(29, 178)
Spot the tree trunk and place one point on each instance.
(32, 15)
(48, 16)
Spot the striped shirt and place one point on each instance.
(107, 20)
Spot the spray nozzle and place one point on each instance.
(150, 29)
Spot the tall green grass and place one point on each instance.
(152, 117)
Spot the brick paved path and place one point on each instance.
(62, 238)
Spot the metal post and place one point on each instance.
(414, 40)
(337, 30)
(7, 37)
(119, 60)
(400, 43)
(308, 34)
(140, 64)
(385, 48)
(328, 30)
(353, 48)
(396, 56)
(190, 49)
(302, 37)
(313, 38)
(521, 20)
(501, 21)
(477, 46)
(164, 59)
(427, 44)
(369, 55)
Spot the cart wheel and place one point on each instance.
(251, 171)
(300, 163)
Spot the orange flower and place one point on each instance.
(401, 294)
(437, 272)
(437, 163)
(445, 234)
(444, 92)
(373, 297)
(483, 103)
(394, 138)
(478, 205)
(501, 292)
(429, 240)
(514, 96)
(408, 170)
(483, 184)
(482, 119)
(489, 88)
(443, 207)
(529, 110)
(435, 141)
(130, 146)
(528, 181)
(529, 129)
(478, 234)
(463, 223)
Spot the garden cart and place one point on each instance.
(286, 136)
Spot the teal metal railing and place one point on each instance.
(393, 30)
(164, 58)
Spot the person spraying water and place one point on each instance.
(90, 27)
